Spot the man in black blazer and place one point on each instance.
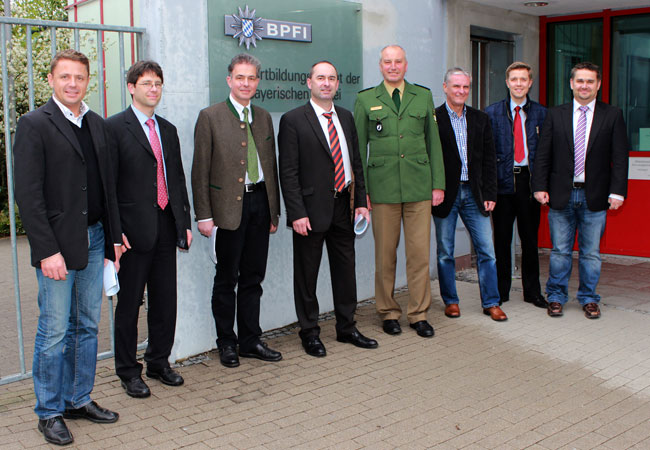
(155, 215)
(580, 171)
(321, 178)
(471, 192)
(66, 195)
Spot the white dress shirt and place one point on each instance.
(83, 109)
(339, 129)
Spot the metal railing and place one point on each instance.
(6, 28)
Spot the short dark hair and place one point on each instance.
(140, 68)
(586, 65)
(519, 65)
(245, 58)
(71, 55)
(324, 61)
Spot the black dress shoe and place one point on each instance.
(391, 326)
(166, 375)
(314, 347)
(357, 339)
(423, 328)
(228, 356)
(537, 300)
(136, 387)
(55, 431)
(93, 412)
(261, 351)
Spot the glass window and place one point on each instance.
(630, 73)
(568, 44)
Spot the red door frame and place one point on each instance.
(625, 233)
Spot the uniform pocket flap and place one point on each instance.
(418, 113)
(422, 159)
(377, 161)
(378, 115)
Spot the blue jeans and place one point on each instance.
(65, 350)
(480, 231)
(563, 225)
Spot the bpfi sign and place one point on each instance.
(249, 29)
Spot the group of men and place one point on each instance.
(91, 191)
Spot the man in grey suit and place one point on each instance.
(235, 187)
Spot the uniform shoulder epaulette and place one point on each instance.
(423, 87)
(366, 89)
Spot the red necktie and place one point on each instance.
(337, 156)
(520, 152)
(157, 151)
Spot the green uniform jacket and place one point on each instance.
(403, 162)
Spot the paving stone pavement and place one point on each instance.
(531, 382)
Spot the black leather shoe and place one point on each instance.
(93, 412)
(423, 328)
(136, 387)
(166, 376)
(55, 431)
(391, 326)
(228, 356)
(314, 347)
(358, 340)
(537, 300)
(261, 351)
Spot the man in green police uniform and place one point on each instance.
(404, 173)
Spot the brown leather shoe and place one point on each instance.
(592, 310)
(452, 310)
(554, 309)
(495, 313)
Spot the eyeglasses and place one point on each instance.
(149, 84)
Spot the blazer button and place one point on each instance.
(83, 188)
(242, 162)
(239, 197)
(243, 143)
(401, 136)
(401, 156)
(155, 204)
(242, 125)
(241, 180)
(84, 212)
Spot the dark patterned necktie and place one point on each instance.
(337, 156)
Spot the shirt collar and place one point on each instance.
(142, 117)
(83, 109)
(390, 88)
(239, 107)
(319, 111)
(513, 105)
(453, 113)
(591, 105)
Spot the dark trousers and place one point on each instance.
(241, 263)
(157, 270)
(307, 253)
(522, 206)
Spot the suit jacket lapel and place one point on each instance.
(596, 125)
(310, 114)
(347, 130)
(407, 96)
(567, 121)
(469, 119)
(62, 124)
(382, 96)
(135, 128)
(164, 138)
(448, 130)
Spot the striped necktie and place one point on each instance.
(580, 144)
(337, 156)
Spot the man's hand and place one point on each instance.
(368, 202)
(125, 243)
(615, 203)
(364, 212)
(273, 228)
(54, 267)
(437, 197)
(205, 227)
(301, 226)
(541, 197)
(189, 239)
(118, 255)
(489, 206)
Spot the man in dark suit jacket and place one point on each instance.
(235, 187)
(320, 165)
(580, 171)
(155, 216)
(471, 192)
(66, 195)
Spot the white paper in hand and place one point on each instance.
(213, 247)
(360, 225)
(111, 283)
